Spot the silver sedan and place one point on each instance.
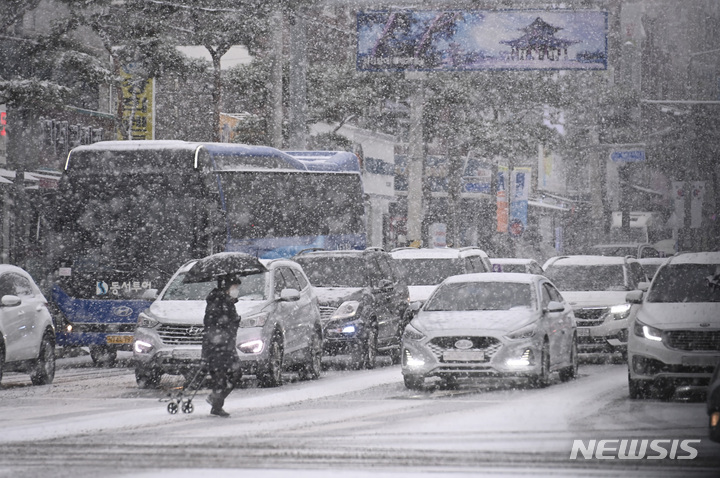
(491, 325)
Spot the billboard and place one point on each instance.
(467, 40)
(138, 108)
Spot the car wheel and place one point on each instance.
(639, 389)
(147, 377)
(542, 379)
(413, 382)
(570, 372)
(272, 377)
(43, 371)
(103, 356)
(2, 360)
(396, 356)
(311, 369)
(365, 353)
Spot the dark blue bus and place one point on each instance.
(129, 213)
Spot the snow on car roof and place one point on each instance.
(511, 260)
(696, 258)
(137, 145)
(438, 253)
(12, 268)
(514, 277)
(653, 260)
(583, 260)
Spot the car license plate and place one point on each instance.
(464, 356)
(119, 339)
(583, 332)
(700, 360)
(186, 354)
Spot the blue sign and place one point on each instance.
(628, 156)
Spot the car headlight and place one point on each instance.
(145, 319)
(522, 333)
(411, 333)
(346, 310)
(142, 347)
(251, 347)
(257, 320)
(619, 312)
(647, 331)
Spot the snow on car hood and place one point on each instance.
(475, 321)
(595, 298)
(191, 312)
(682, 315)
(420, 293)
(337, 295)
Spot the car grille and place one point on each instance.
(326, 313)
(695, 340)
(181, 334)
(590, 317)
(489, 345)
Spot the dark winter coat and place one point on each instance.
(221, 324)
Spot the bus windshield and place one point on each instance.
(263, 204)
(130, 231)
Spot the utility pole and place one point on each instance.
(276, 108)
(298, 82)
(415, 212)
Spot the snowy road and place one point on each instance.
(96, 422)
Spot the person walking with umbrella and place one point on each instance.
(221, 323)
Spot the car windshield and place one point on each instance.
(428, 271)
(334, 271)
(252, 288)
(510, 267)
(480, 296)
(616, 251)
(587, 277)
(684, 283)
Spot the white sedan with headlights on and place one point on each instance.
(279, 330)
(596, 286)
(491, 325)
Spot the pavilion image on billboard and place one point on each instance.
(433, 40)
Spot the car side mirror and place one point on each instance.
(415, 305)
(635, 297)
(554, 307)
(385, 285)
(10, 301)
(150, 294)
(643, 286)
(289, 295)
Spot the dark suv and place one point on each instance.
(363, 302)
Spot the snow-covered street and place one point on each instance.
(96, 422)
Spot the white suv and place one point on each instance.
(596, 287)
(424, 269)
(27, 334)
(279, 330)
(675, 337)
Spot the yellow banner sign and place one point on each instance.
(137, 107)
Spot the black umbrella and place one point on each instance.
(224, 264)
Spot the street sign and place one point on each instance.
(633, 156)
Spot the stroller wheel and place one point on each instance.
(187, 407)
(172, 407)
